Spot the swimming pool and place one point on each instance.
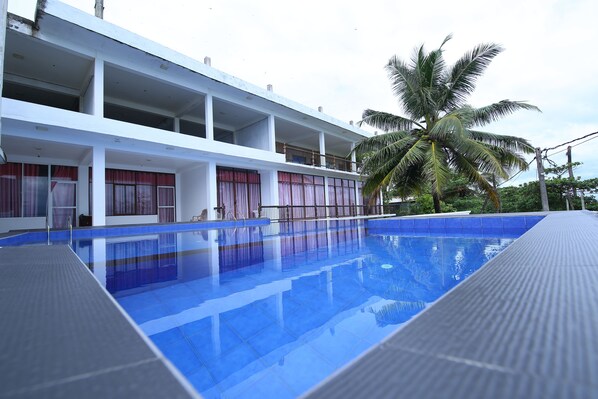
(270, 311)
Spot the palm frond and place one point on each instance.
(509, 159)
(390, 153)
(406, 86)
(375, 143)
(511, 143)
(481, 155)
(386, 121)
(470, 170)
(381, 170)
(436, 168)
(464, 73)
(451, 124)
(493, 112)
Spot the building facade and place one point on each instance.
(100, 122)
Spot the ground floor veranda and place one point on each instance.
(63, 184)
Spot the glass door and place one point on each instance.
(166, 210)
(64, 203)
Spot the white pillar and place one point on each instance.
(329, 286)
(280, 309)
(326, 196)
(271, 133)
(98, 210)
(3, 16)
(178, 187)
(212, 190)
(322, 150)
(99, 260)
(269, 187)
(177, 125)
(214, 258)
(83, 190)
(93, 99)
(209, 111)
(216, 334)
(353, 158)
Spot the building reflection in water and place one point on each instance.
(236, 299)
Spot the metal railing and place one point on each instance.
(299, 212)
(306, 156)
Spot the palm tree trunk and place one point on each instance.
(499, 208)
(436, 203)
(485, 203)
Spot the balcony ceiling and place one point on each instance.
(30, 60)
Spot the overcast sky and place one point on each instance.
(332, 53)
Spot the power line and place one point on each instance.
(575, 145)
(545, 150)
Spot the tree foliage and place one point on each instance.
(438, 137)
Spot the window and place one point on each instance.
(136, 193)
(24, 191)
(10, 190)
(304, 193)
(341, 197)
(239, 192)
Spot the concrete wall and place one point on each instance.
(254, 136)
(7, 224)
(193, 192)
(135, 219)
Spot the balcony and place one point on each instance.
(306, 156)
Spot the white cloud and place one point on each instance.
(332, 53)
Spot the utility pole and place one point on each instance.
(99, 9)
(543, 193)
(570, 168)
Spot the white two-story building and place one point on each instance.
(98, 121)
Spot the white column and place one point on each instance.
(353, 158)
(3, 17)
(326, 196)
(271, 133)
(214, 258)
(178, 187)
(177, 125)
(99, 260)
(83, 190)
(216, 334)
(212, 190)
(209, 111)
(92, 102)
(322, 150)
(280, 309)
(98, 210)
(329, 286)
(269, 187)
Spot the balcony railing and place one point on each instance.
(305, 156)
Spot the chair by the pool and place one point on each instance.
(202, 216)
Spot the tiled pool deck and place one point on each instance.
(523, 326)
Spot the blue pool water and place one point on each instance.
(272, 310)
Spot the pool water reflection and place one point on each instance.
(271, 311)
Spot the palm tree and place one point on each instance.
(438, 134)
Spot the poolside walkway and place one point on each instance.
(523, 326)
(62, 336)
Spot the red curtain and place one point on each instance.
(64, 173)
(35, 190)
(10, 190)
(135, 193)
(165, 179)
(239, 192)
